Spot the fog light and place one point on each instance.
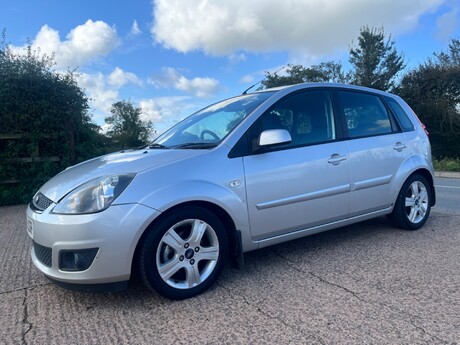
(76, 260)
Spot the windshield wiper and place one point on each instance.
(152, 146)
(195, 146)
(156, 146)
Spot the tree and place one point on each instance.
(433, 91)
(450, 58)
(375, 62)
(127, 129)
(45, 124)
(324, 72)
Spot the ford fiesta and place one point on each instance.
(241, 174)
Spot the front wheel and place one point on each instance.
(184, 254)
(413, 205)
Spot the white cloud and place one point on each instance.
(151, 110)
(165, 112)
(167, 79)
(446, 24)
(103, 90)
(199, 87)
(101, 96)
(237, 57)
(313, 27)
(135, 29)
(82, 45)
(247, 79)
(118, 78)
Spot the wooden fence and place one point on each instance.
(33, 156)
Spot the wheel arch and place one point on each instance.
(223, 216)
(426, 174)
(414, 165)
(417, 215)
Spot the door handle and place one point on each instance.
(336, 159)
(399, 146)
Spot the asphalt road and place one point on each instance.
(366, 283)
(448, 194)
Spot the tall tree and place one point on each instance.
(433, 91)
(375, 60)
(127, 129)
(324, 72)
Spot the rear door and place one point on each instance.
(377, 148)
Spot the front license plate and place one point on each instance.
(30, 227)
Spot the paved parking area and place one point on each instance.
(366, 283)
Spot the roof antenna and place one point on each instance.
(250, 87)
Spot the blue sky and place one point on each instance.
(172, 57)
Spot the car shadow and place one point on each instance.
(260, 259)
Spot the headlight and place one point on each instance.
(93, 196)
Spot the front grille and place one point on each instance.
(40, 202)
(43, 254)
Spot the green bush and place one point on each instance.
(447, 164)
(45, 124)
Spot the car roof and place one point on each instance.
(322, 84)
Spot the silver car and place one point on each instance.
(242, 174)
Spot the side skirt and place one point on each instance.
(320, 228)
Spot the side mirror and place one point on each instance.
(274, 137)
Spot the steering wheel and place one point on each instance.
(211, 133)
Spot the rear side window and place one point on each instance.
(365, 114)
(403, 119)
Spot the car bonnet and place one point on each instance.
(124, 162)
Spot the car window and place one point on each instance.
(365, 114)
(209, 126)
(308, 117)
(401, 115)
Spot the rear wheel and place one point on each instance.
(413, 205)
(184, 254)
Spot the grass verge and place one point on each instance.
(447, 164)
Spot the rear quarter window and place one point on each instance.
(404, 121)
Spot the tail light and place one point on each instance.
(421, 123)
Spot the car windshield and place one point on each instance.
(209, 126)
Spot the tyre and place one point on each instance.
(184, 253)
(413, 204)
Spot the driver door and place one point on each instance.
(304, 183)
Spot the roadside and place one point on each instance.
(447, 174)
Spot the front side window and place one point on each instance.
(208, 127)
(365, 114)
(307, 116)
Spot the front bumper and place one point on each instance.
(114, 232)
